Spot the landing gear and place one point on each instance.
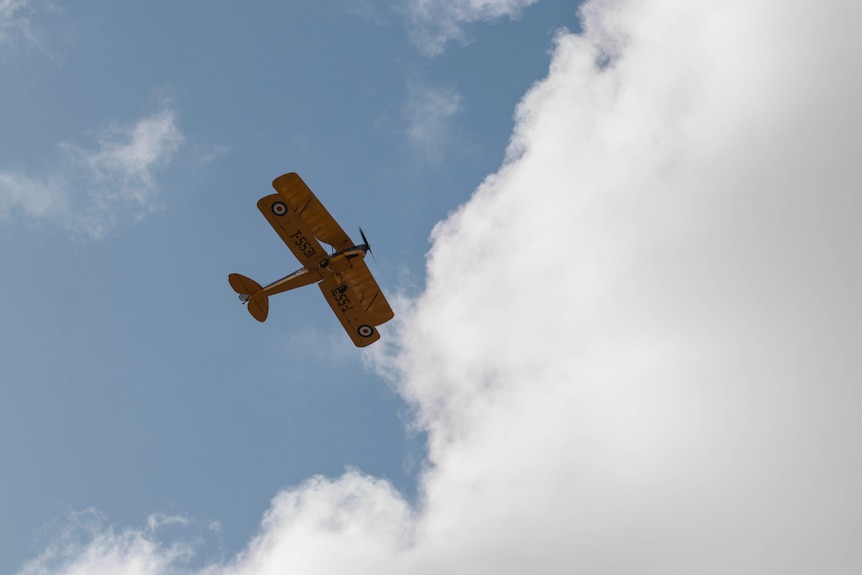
(342, 289)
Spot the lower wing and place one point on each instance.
(345, 302)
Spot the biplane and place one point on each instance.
(341, 273)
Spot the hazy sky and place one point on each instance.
(630, 347)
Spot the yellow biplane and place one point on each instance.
(345, 281)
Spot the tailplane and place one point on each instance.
(250, 293)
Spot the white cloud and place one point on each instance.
(32, 198)
(127, 155)
(12, 19)
(112, 552)
(17, 28)
(638, 346)
(374, 12)
(430, 110)
(10, 12)
(324, 526)
(434, 23)
(93, 189)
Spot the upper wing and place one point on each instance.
(347, 306)
(302, 203)
(293, 231)
(359, 280)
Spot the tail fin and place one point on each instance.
(250, 292)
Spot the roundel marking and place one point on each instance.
(279, 208)
(365, 330)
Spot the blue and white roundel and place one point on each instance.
(279, 208)
(365, 330)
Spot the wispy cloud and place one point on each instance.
(434, 23)
(637, 350)
(376, 12)
(12, 17)
(430, 111)
(126, 156)
(9, 8)
(132, 551)
(93, 189)
(31, 198)
(21, 26)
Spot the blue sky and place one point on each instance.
(620, 239)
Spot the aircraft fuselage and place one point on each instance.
(333, 266)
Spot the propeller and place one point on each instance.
(367, 245)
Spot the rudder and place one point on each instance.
(250, 293)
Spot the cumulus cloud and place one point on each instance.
(637, 351)
(434, 23)
(326, 526)
(93, 188)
